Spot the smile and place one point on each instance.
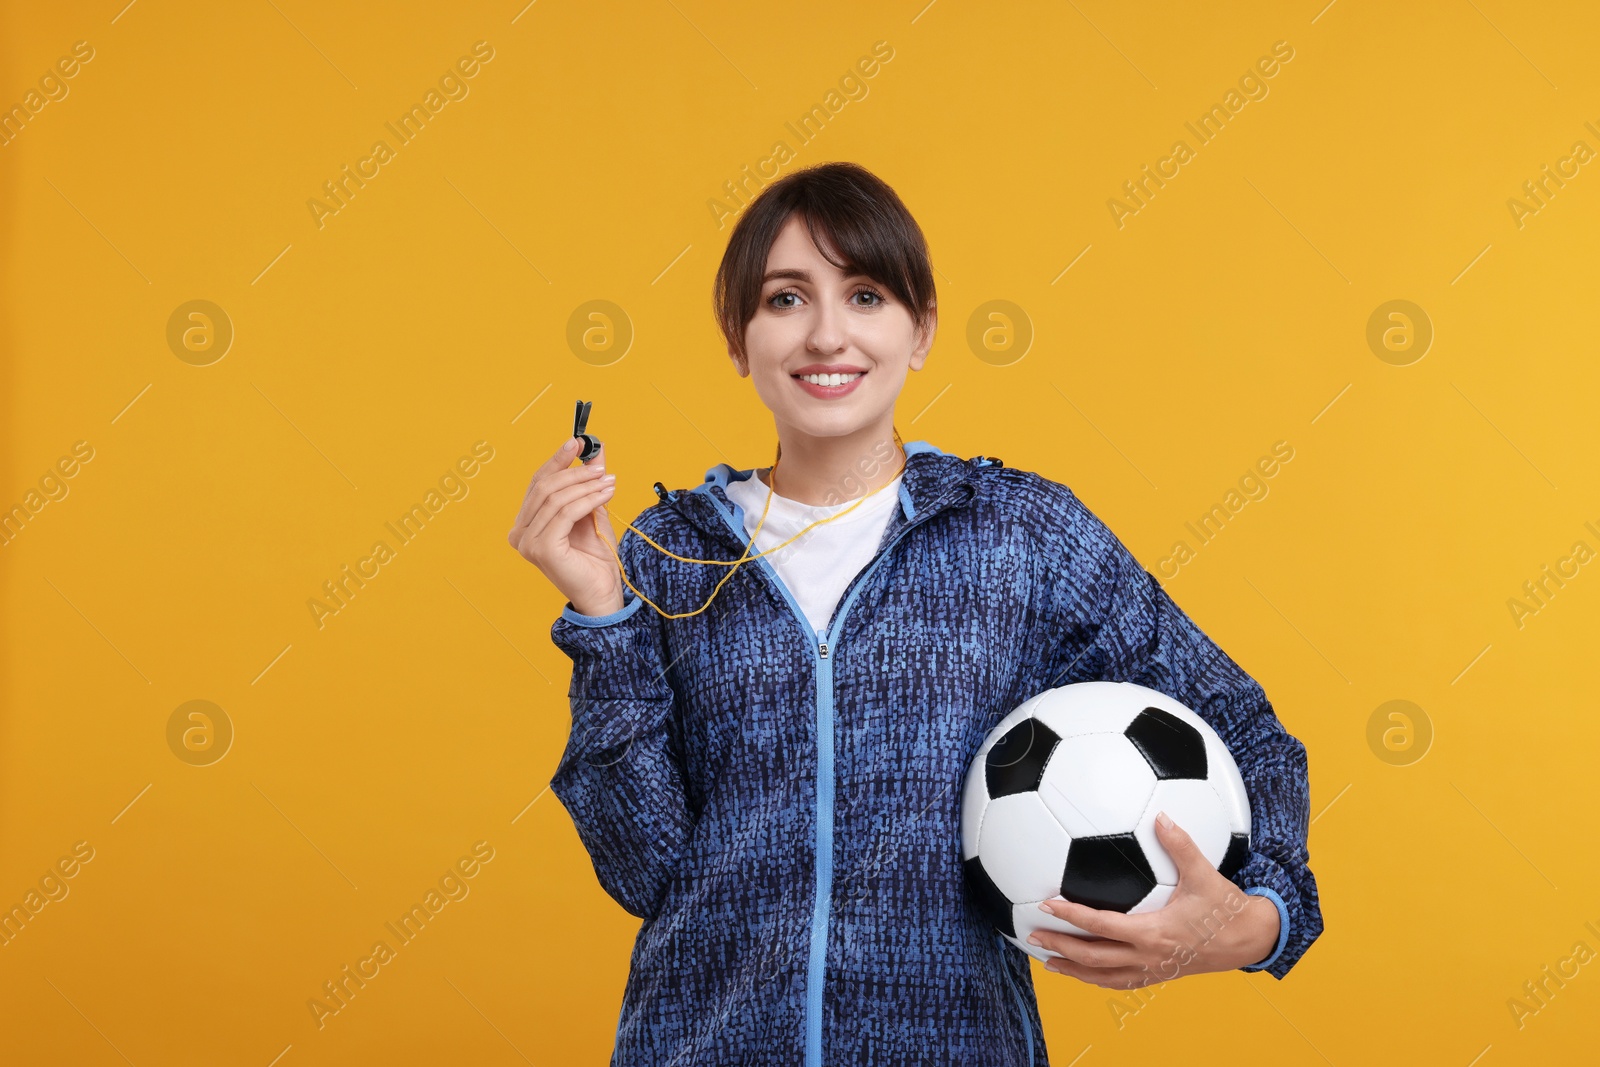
(828, 386)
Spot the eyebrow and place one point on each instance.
(796, 274)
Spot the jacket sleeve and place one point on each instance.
(1117, 623)
(620, 776)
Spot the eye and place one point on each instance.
(772, 300)
(867, 290)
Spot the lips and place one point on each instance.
(830, 392)
(823, 368)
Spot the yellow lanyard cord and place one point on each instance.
(736, 563)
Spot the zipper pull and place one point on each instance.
(822, 649)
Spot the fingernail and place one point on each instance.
(571, 445)
(1161, 817)
(609, 478)
(1033, 939)
(1045, 907)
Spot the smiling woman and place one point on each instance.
(826, 299)
(779, 684)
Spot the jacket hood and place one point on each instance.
(932, 479)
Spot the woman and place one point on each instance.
(765, 761)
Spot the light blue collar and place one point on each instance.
(721, 474)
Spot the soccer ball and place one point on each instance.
(1061, 801)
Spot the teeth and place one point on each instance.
(830, 379)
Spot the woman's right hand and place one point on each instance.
(555, 530)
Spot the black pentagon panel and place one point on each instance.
(1238, 852)
(986, 897)
(1172, 747)
(1107, 872)
(1016, 762)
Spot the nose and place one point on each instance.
(827, 334)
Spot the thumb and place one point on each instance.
(1181, 847)
(598, 459)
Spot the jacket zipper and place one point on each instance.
(817, 962)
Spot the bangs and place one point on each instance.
(857, 223)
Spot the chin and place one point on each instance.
(841, 424)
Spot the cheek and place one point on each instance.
(889, 349)
(889, 339)
(769, 346)
(777, 393)
(771, 337)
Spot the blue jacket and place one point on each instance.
(781, 805)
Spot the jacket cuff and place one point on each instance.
(1263, 876)
(1283, 926)
(630, 604)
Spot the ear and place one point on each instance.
(919, 354)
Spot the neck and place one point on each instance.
(835, 470)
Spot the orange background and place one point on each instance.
(436, 309)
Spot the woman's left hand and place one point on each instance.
(1208, 924)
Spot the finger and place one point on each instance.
(1110, 924)
(544, 485)
(563, 508)
(1190, 861)
(557, 462)
(600, 523)
(596, 522)
(1123, 978)
(553, 498)
(1093, 954)
(562, 458)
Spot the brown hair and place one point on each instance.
(850, 212)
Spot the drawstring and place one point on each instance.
(746, 557)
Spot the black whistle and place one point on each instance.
(580, 421)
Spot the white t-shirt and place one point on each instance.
(816, 568)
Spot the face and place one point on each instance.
(814, 317)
